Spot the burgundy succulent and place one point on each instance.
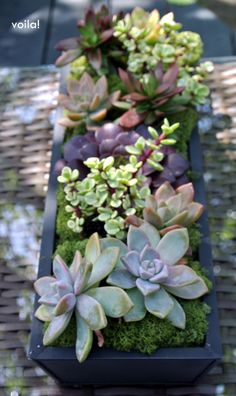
(152, 98)
(94, 31)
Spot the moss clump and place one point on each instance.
(194, 236)
(201, 271)
(63, 232)
(67, 249)
(150, 333)
(187, 119)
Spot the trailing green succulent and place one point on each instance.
(87, 102)
(148, 150)
(109, 194)
(150, 272)
(150, 99)
(75, 289)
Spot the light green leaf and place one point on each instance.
(159, 303)
(84, 339)
(138, 311)
(56, 328)
(93, 248)
(152, 234)
(91, 311)
(113, 242)
(103, 266)
(189, 292)
(115, 301)
(173, 246)
(177, 315)
(45, 312)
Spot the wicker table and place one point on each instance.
(27, 108)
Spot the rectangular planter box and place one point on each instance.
(110, 367)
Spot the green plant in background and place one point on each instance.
(150, 99)
(109, 194)
(76, 289)
(151, 274)
(87, 102)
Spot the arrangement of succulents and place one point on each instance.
(125, 198)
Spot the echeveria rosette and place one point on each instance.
(169, 207)
(87, 102)
(75, 289)
(151, 274)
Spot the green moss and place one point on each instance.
(194, 236)
(201, 271)
(68, 248)
(187, 119)
(151, 333)
(63, 232)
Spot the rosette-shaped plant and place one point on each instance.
(150, 273)
(169, 207)
(87, 102)
(95, 32)
(75, 289)
(150, 99)
(108, 140)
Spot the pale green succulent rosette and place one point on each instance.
(150, 273)
(76, 289)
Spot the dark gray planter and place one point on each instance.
(110, 367)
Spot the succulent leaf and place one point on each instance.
(65, 304)
(45, 313)
(173, 246)
(159, 303)
(189, 292)
(121, 278)
(138, 311)
(177, 315)
(84, 339)
(56, 327)
(104, 264)
(91, 311)
(114, 300)
(93, 249)
(42, 285)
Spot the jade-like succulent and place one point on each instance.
(149, 100)
(169, 207)
(87, 102)
(75, 289)
(150, 272)
(109, 193)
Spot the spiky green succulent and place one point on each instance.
(75, 289)
(150, 272)
(87, 102)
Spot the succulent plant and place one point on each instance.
(169, 207)
(150, 272)
(160, 161)
(149, 100)
(95, 33)
(87, 102)
(108, 140)
(109, 194)
(75, 289)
